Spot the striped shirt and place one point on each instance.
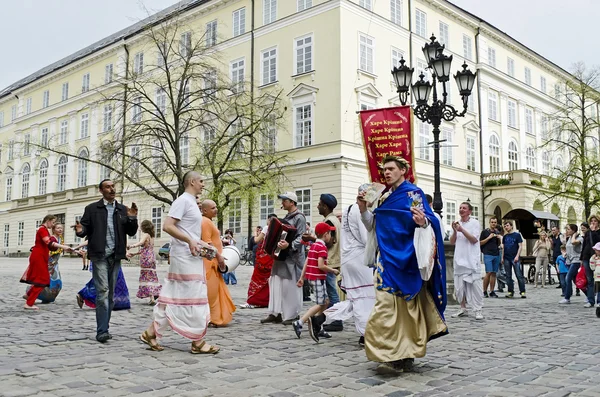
(317, 250)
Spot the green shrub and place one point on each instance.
(535, 182)
(555, 186)
(491, 182)
(503, 182)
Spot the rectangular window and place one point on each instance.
(492, 57)
(269, 11)
(467, 47)
(157, 221)
(444, 34)
(528, 121)
(450, 214)
(269, 66)
(471, 153)
(84, 125)
(420, 23)
(367, 54)
(85, 83)
(239, 22)
(107, 118)
(368, 4)
(136, 110)
(544, 127)
(557, 92)
(161, 101)
(267, 206)
(237, 75)
(20, 233)
(27, 145)
(28, 106)
(304, 202)
(527, 76)
(13, 112)
(512, 113)
(134, 153)
(9, 189)
(46, 99)
(65, 91)
(44, 137)
(235, 215)
(396, 11)
(447, 153)
(510, 67)
(424, 146)
(6, 235)
(1, 119)
(304, 4)
(543, 84)
(397, 55)
(185, 44)
(210, 85)
(475, 212)
(270, 137)
(64, 132)
(304, 123)
(43, 178)
(211, 33)
(108, 73)
(304, 54)
(493, 105)
(138, 63)
(11, 149)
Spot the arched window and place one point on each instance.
(43, 180)
(546, 163)
(25, 180)
(513, 156)
(62, 174)
(494, 147)
(560, 165)
(9, 174)
(82, 165)
(530, 158)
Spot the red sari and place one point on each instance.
(258, 289)
(37, 272)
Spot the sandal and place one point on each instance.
(79, 301)
(198, 349)
(33, 307)
(147, 339)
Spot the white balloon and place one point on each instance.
(232, 257)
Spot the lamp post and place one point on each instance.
(438, 110)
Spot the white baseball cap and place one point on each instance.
(289, 195)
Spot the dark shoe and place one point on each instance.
(361, 341)
(79, 301)
(271, 319)
(523, 295)
(289, 321)
(313, 329)
(493, 295)
(102, 338)
(577, 293)
(297, 328)
(485, 294)
(323, 334)
(558, 287)
(510, 295)
(598, 311)
(335, 326)
(307, 299)
(500, 290)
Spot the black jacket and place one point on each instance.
(94, 224)
(591, 238)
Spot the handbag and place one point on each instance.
(425, 249)
(581, 278)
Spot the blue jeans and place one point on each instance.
(573, 269)
(589, 274)
(104, 273)
(230, 277)
(562, 277)
(509, 265)
(332, 289)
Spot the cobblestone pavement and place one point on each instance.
(524, 347)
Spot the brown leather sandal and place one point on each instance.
(198, 349)
(147, 339)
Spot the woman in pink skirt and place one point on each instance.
(149, 285)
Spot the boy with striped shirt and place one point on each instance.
(315, 271)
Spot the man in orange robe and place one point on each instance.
(219, 299)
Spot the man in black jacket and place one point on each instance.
(106, 223)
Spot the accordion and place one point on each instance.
(279, 230)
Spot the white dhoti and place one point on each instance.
(469, 287)
(285, 297)
(183, 302)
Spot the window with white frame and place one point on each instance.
(82, 168)
(209, 134)
(471, 153)
(11, 149)
(304, 54)
(545, 163)
(267, 206)
(28, 106)
(43, 177)
(104, 172)
(304, 125)
(450, 214)
(560, 165)
(237, 68)
(557, 92)
(9, 182)
(46, 99)
(269, 66)
(397, 55)
(13, 112)
(63, 136)
(544, 127)
(367, 53)
(493, 105)
(529, 121)
(25, 171)
(530, 158)
(161, 101)
(134, 153)
(304, 4)
(27, 145)
(527, 76)
(1, 119)
(108, 73)
(494, 155)
(65, 91)
(211, 33)
(396, 11)
(304, 202)
(420, 23)
(138, 63)
(270, 137)
(510, 67)
(543, 84)
(136, 110)
(107, 118)
(444, 34)
(184, 149)
(6, 235)
(85, 83)
(424, 146)
(157, 221)
(513, 156)
(467, 47)
(20, 233)
(44, 137)
(235, 215)
(84, 125)
(368, 4)
(512, 113)
(239, 22)
(185, 44)
(447, 149)
(62, 174)
(367, 106)
(471, 103)
(475, 212)
(269, 11)
(210, 85)
(492, 57)
(424, 69)
(76, 239)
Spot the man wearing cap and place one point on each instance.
(408, 311)
(285, 299)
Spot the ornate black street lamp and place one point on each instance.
(438, 110)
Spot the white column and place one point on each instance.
(94, 145)
(504, 135)
(52, 158)
(71, 169)
(485, 127)
(522, 135)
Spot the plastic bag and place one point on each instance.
(425, 249)
(581, 278)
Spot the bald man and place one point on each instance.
(219, 299)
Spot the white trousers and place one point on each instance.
(285, 298)
(469, 287)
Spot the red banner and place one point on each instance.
(387, 132)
